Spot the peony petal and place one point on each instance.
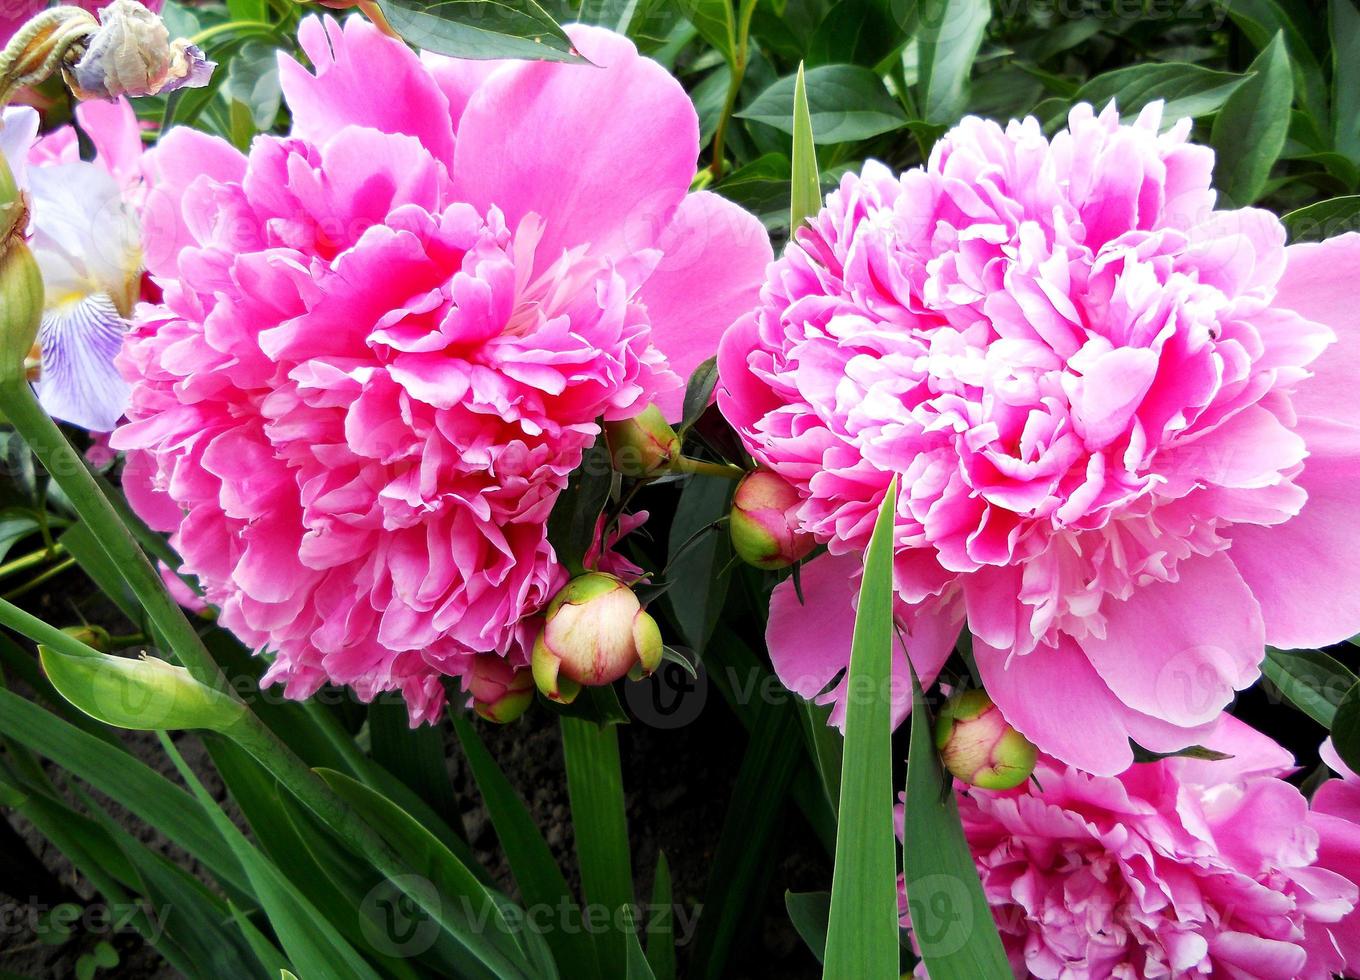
(576, 129)
(1054, 697)
(1306, 572)
(809, 641)
(1317, 283)
(724, 250)
(1180, 650)
(182, 157)
(363, 78)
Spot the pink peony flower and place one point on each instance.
(1336, 816)
(386, 339)
(1173, 869)
(1124, 424)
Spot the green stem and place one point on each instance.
(28, 561)
(51, 573)
(245, 26)
(700, 467)
(738, 67)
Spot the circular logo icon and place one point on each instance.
(393, 921)
(941, 915)
(671, 697)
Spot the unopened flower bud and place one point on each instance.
(21, 287)
(979, 746)
(132, 54)
(595, 632)
(500, 693)
(764, 522)
(642, 446)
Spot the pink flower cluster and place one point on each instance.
(386, 340)
(1123, 424)
(1178, 868)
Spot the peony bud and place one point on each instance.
(979, 746)
(764, 522)
(500, 693)
(94, 637)
(596, 631)
(131, 54)
(642, 446)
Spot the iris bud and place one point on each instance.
(642, 446)
(764, 522)
(979, 746)
(595, 632)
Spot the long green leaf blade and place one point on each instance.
(862, 931)
(805, 191)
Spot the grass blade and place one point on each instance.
(862, 936)
(595, 786)
(805, 193)
(661, 928)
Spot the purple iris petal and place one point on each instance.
(79, 383)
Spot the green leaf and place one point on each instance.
(541, 882)
(1260, 21)
(415, 756)
(951, 920)
(715, 21)
(571, 525)
(1346, 728)
(805, 189)
(310, 941)
(862, 929)
(139, 693)
(951, 34)
(809, 911)
(699, 392)
(845, 103)
(80, 542)
(480, 29)
(1344, 21)
(469, 910)
(1187, 89)
(1312, 681)
(114, 772)
(661, 926)
(598, 818)
(1249, 131)
(15, 525)
(745, 859)
(703, 565)
(1318, 222)
(638, 967)
(1141, 754)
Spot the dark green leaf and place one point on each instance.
(862, 929)
(1318, 222)
(808, 911)
(703, 565)
(1310, 680)
(1249, 131)
(415, 756)
(571, 525)
(715, 21)
(1344, 21)
(480, 29)
(661, 926)
(595, 786)
(1141, 754)
(699, 391)
(540, 880)
(1188, 90)
(951, 32)
(845, 102)
(1346, 729)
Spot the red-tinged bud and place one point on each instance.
(979, 746)
(595, 632)
(500, 693)
(642, 446)
(764, 522)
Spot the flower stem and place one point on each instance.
(738, 68)
(700, 467)
(28, 561)
(49, 574)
